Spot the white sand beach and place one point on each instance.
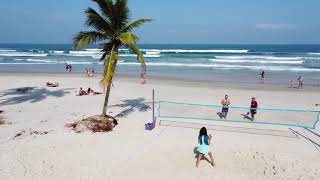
(47, 149)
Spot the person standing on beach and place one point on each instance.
(143, 79)
(262, 76)
(203, 148)
(225, 102)
(92, 72)
(87, 72)
(253, 108)
(300, 82)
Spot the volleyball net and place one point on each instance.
(236, 114)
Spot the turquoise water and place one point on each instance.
(227, 63)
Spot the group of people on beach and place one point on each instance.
(88, 92)
(204, 140)
(299, 80)
(90, 72)
(225, 102)
(68, 67)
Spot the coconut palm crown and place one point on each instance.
(111, 28)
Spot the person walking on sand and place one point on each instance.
(300, 82)
(253, 108)
(203, 149)
(225, 102)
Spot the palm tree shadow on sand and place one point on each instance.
(29, 94)
(131, 105)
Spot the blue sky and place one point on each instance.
(177, 21)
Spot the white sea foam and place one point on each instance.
(146, 55)
(58, 52)
(22, 54)
(259, 57)
(255, 61)
(314, 53)
(83, 52)
(195, 50)
(152, 52)
(96, 50)
(42, 60)
(7, 50)
(228, 66)
(22, 63)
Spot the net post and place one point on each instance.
(152, 125)
(317, 121)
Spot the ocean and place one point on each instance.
(216, 63)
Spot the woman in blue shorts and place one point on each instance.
(204, 148)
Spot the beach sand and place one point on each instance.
(36, 144)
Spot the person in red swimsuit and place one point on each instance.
(253, 110)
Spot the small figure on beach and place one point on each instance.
(143, 79)
(317, 104)
(225, 102)
(203, 148)
(92, 72)
(87, 72)
(88, 92)
(300, 82)
(253, 108)
(50, 84)
(82, 92)
(291, 84)
(91, 91)
(262, 76)
(68, 67)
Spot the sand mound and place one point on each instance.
(94, 124)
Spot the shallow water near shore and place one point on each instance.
(219, 63)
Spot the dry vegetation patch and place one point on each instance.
(94, 124)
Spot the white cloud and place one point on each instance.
(275, 26)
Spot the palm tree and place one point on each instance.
(111, 27)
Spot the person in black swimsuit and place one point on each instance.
(263, 76)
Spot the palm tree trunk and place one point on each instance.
(106, 100)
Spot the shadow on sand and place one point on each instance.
(131, 105)
(29, 94)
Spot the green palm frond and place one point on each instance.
(121, 14)
(86, 38)
(105, 7)
(97, 22)
(136, 24)
(127, 38)
(140, 57)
